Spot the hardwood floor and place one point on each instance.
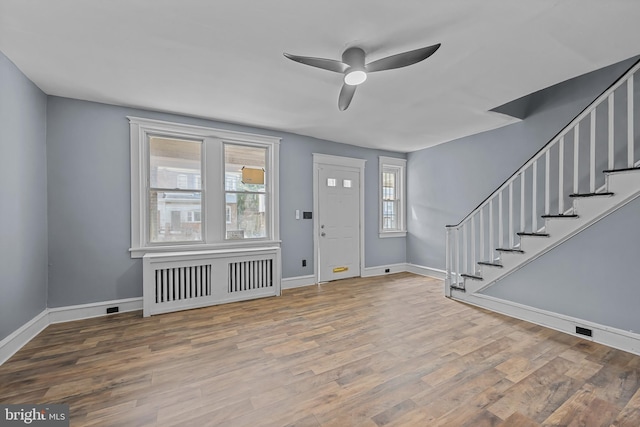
(384, 351)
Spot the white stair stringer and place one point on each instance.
(625, 186)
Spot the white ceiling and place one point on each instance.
(222, 59)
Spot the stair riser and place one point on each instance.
(626, 187)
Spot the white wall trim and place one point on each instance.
(436, 273)
(95, 309)
(380, 270)
(609, 336)
(21, 336)
(298, 282)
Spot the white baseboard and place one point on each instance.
(21, 336)
(381, 270)
(436, 273)
(95, 309)
(298, 282)
(612, 337)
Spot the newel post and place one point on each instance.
(447, 279)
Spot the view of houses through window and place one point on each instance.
(175, 193)
(245, 191)
(200, 188)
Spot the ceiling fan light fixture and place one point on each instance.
(354, 77)
(354, 67)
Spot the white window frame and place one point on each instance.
(399, 166)
(235, 190)
(212, 183)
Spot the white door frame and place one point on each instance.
(326, 159)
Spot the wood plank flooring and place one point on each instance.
(384, 351)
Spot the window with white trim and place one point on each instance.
(195, 188)
(245, 191)
(171, 202)
(392, 197)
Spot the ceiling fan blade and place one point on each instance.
(325, 64)
(346, 95)
(401, 59)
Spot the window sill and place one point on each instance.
(386, 234)
(141, 252)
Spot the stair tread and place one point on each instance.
(560, 216)
(520, 251)
(471, 276)
(490, 264)
(622, 170)
(524, 233)
(591, 194)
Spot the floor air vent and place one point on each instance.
(584, 331)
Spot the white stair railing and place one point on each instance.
(600, 138)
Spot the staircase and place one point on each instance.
(588, 170)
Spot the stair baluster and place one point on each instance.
(468, 255)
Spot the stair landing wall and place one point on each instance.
(446, 182)
(593, 276)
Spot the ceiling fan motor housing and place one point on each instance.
(354, 57)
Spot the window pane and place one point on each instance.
(390, 201)
(246, 216)
(175, 216)
(388, 185)
(244, 176)
(389, 215)
(174, 163)
(239, 157)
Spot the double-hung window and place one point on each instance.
(245, 192)
(392, 197)
(173, 197)
(196, 188)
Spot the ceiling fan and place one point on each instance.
(355, 70)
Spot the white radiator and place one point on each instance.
(184, 280)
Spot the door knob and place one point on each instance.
(323, 234)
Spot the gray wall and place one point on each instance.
(23, 216)
(448, 181)
(593, 276)
(89, 206)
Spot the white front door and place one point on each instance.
(338, 222)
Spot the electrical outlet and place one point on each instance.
(386, 270)
(304, 262)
